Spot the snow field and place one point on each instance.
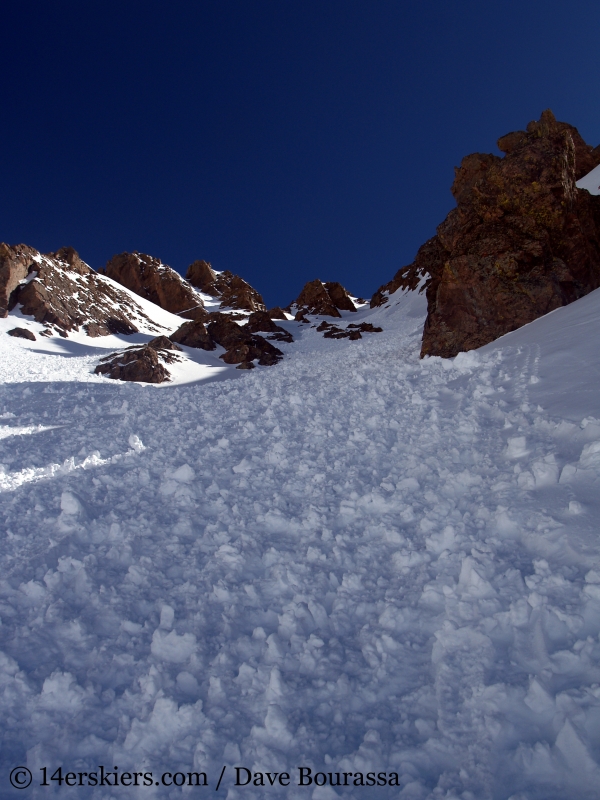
(353, 561)
(55, 359)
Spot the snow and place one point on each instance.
(80, 353)
(163, 319)
(591, 181)
(354, 561)
(57, 359)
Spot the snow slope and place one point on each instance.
(591, 181)
(354, 561)
(75, 357)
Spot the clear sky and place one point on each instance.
(284, 140)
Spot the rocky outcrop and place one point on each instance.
(319, 298)
(233, 291)
(157, 282)
(330, 331)
(163, 343)
(201, 275)
(241, 345)
(236, 293)
(351, 332)
(522, 241)
(63, 292)
(15, 264)
(339, 296)
(262, 322)
(366, 327)
(22, 333)
(19, 264)
(144, 364)
(194, 334)
(414, 276)
(277, 313)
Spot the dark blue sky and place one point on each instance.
(283, 140)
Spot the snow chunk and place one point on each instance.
(471, 582)
(70, 504)
(136, 443)
(466, 362)
(171, 647)
(574, 751)
(185, 474)
(590, 456)
(517, 447)
(545, 472)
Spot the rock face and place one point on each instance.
(14, 268)
(194, 334)
(232, 290)
(262, 322)
(201, 275)
(522, 241)
(143, 364)
(22, 333)
(157, 282)
(163, 343)
(276, 313)
(241, 345)
(339, 296)
(327, 299)
(414, 274)
(63, 292)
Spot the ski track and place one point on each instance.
(353, 561)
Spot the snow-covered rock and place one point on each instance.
(62, 293)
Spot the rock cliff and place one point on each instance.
(157, 282)
(230, 289)
(242, 344)
(522, 241)
(62, 291)
(317, 297)
(145, 363)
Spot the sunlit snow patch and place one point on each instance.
(16, 430)
(12, 480)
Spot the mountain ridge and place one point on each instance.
(523, 239)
